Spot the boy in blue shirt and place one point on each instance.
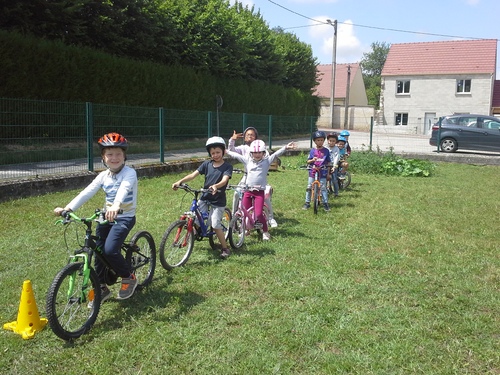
(320, 157)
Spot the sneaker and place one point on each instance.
(105, 295)
(306, 206)
(266, 236)
(273, 223)
(128, 287)
(336, 196)
(225, 253)
(326, 207)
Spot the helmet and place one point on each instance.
(341, 138)
(345, 133)
(257, 146)
(254, 130)
(215, 142)
(319, 134)
(332, 135)
(113, 140)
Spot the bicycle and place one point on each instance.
(343, 179)
(74, 297)
(178, 240)
(316, 185)
(244, 220)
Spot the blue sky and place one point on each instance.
(363, 22)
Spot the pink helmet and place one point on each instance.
(258, 146)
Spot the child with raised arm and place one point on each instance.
(320, 157)
(257, 163)
(119, 183)
(249, 135)
(217, 174)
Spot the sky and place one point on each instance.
(363, 22)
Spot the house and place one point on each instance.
(423, 81)
(495, 102)
(351, 96)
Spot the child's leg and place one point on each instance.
(258, 206)
(324, 191)
(308, 190)
(335, 182)
(216, 222)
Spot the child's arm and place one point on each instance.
(281, 151)
(189, 177)
(236, 156)
(223, 182)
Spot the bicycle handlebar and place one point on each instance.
(245, 187)
(186, 187)
(99, 213)
(314, 167)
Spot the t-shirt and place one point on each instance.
(213, 175)
(323, 155)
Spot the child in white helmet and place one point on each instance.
(257, 164)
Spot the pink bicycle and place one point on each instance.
(244, 220)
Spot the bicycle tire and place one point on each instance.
(67, 311)
(141, 257)
(237, 231)
(213, 239)
(315, 197)
(176, 245)
(344, 183)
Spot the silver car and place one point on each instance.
(467, 131)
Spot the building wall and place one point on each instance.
(433, 94)
(358, 117)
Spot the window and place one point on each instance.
(401, 119)
(463, 85)
(403, 87)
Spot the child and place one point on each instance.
(217, 174)
(257, 163)
(119, 183)
(346, 134)
(332, 139)
(343, 164)
(249, 135)
(319, 156)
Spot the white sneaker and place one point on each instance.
(273, 223)
(266, 236)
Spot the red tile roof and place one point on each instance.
(447, 57)
(495, 101)
(324, 77)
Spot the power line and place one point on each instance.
(320, 23)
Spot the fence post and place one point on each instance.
(371, 132)
(439, 136)
(311, 130)
(162, 134)
(270, 127)
(244, 120)
(89, 124)
(209, 123)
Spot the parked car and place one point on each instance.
(466, 131)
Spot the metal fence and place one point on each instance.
(50, 137)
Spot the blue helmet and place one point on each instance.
(345, 133)
(319, 134)
(341, 138)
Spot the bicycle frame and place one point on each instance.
(194, 212)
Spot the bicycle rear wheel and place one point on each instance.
(141, 257)
(237, 229)
(345, 182)
(213, 239)
(315, 197)
(176, 245)
(67, 307)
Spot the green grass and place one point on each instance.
(401, 277)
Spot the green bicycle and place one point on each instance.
(74, 297)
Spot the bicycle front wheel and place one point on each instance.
(237, 231)
(345, 182)
(141, 257)
(213, 239)
(68, 310)
(315, 197)
(176, 245)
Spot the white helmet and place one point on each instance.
(215, 142)
(258, 146)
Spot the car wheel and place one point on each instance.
(449, 145)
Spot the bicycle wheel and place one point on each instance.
(237, 231)
(315, 197)
(346, 181)
(213, 239)
(141, 256)
(67, 302)
(176, 245)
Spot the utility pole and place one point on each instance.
(347, 90)
(334, 65)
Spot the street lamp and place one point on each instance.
(334, 63)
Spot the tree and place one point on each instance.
(372, 64)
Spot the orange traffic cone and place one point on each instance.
(28, 321)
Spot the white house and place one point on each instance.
(423, 81)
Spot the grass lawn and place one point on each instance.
(401, 277)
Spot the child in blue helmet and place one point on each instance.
(346, 134)
(319, 156)
(343, 164)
